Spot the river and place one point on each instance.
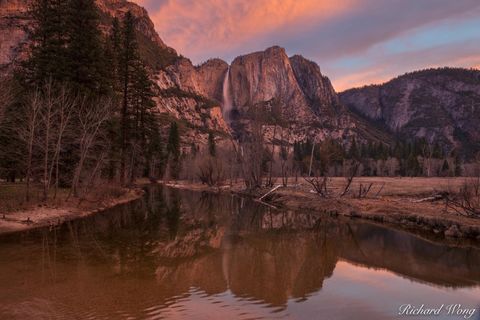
(190, 255)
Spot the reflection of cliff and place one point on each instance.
(276, 267)
(203, 272)
(410, 256)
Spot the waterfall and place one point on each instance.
(227, 98)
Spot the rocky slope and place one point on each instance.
(437, 104)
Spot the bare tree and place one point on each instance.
(66, 104)
(467, 201)
(349, 179)
(270, 181)
(427, 154)
(27, 130)
(363, 190)
(284, 156)
(47, 116)
(91, 120)
(319, 185)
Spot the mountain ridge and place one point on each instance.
(438, 104)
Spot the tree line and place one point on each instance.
(82, 106)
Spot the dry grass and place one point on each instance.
(12, 197)
(17, 214)
(401, 186)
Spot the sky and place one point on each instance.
(355, 42)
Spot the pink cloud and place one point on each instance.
(201, 28)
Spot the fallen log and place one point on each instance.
(269, 192)
(435, 197)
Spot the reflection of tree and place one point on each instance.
(173, 216)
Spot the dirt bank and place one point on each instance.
(48, 215)
(392, 201)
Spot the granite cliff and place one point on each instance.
(441, 105)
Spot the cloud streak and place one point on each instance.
(352, 40)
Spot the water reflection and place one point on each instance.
(184, 254)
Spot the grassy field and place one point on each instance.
(398, 186)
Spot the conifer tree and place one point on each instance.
(211, 144)
(353, 152)
(445, 168)
(128, 58)
(112, 55)
(84, 51)
(48, 38)
(173, 151)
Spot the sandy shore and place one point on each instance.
(392, 201)
(43, 216)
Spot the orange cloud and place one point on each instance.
(197, 27)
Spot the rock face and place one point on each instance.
(438, 104)
(12, 34)
(206, 79)
(294, 90)
(262, 76)
(316, 88)
(144, 25)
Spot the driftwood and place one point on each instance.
(435, 197)
(265, 204)
(270, 192)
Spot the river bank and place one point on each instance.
(392, 201)
(44, 215)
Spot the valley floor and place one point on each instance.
(394, 201)
(16, 215)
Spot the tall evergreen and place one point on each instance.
(353, 152)
(127, 61)
(48, 39)
(84, 52)
(211, 144)
(113, 51)
(173, 151)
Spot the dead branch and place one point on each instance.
(352, 175)
(363, 190)
(319, 185)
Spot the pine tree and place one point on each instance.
(85, 54)
(211, 144)
(445, 168)
(48, 39)
(353, 152)
(458, 166)
(173, 151)
(128, 59)
(412, 165)
(112, 54)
